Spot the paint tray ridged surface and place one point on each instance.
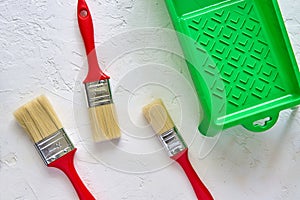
(241, 61)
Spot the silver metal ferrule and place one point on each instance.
(98, 93)
(172, 141)
(54, 146)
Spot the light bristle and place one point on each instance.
(158, 116)
(104, 122)
(38, 118)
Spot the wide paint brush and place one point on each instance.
(40, 121)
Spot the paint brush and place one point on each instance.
(161, 122)
(101, 108)
(40, 121)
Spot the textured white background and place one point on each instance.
(42, 52)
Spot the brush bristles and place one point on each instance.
(158, 116)
(38, 118)
(104, 122)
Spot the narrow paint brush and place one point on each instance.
(101, 108)
(161, 122)
(40, 121)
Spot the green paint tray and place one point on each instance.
(250, 73)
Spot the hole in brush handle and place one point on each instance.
(86, 27)
(83, 13)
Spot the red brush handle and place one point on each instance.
(66, 165)
(201, 191)
(87, 31)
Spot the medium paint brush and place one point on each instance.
(101, 107)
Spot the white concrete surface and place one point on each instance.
(42, 52)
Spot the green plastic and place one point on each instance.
(251, 54)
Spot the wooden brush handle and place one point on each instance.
(66, 164)
(87, 31)
(201, 191)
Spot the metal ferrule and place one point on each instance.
(172, 141)
(98, 93)
(54, 146)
